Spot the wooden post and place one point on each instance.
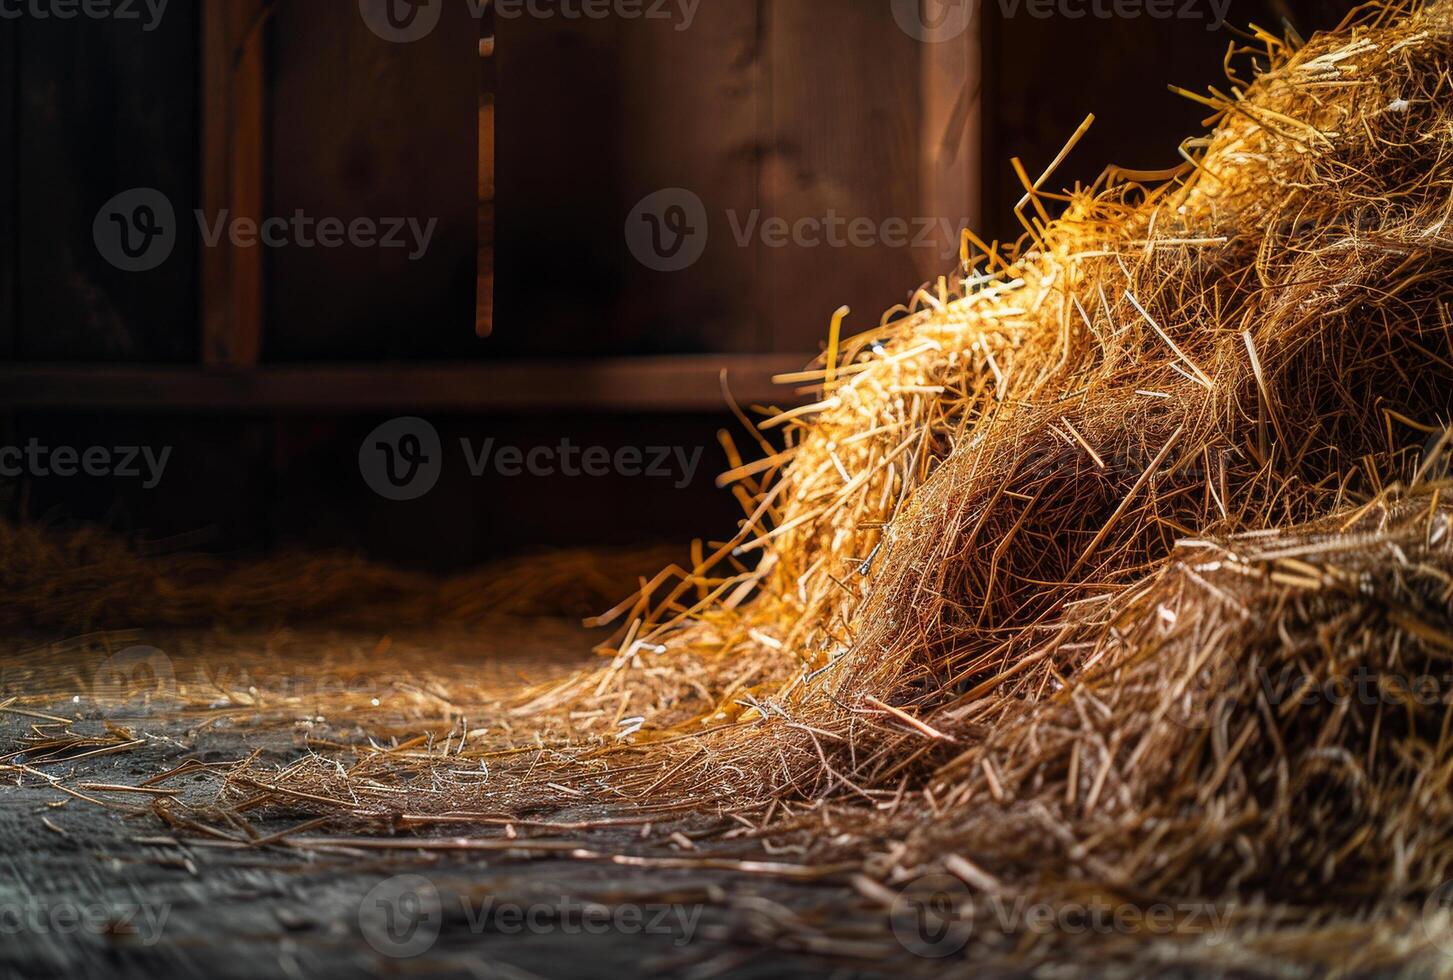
(233, 136)
(950, 147)
(9, 176)
(484, 281)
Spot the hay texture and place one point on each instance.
(1067, 546)
(1060, 579)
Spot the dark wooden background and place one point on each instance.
(789, 108)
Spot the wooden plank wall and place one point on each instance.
(767, 111)
(363, 127)
(104, 106)
(950, 151)
(691, 104)
(593, 117)
(9, 148)
(844, 137)
(1043, 75)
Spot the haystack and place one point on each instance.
(1089, 530)
(1121, 559)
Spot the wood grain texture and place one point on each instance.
(364, 128)
(693, 102)
(488, 87)
(105, 106)
(844, 138)
(593, 117)
(950, 138)
(233, 137)
(9, 146)
(646, 384)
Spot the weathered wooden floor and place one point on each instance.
(89, 891)
(96, 891)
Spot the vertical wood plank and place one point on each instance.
(107, 107)
(484, 286)
(595, 117)
(844, 145)
(233, 97)
(364, 127)
(950, 144)
(9, 146)
(691, 118)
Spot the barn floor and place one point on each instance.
(94, 890)
(97, 883)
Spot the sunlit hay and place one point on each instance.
(1252, 346)
(967, 591)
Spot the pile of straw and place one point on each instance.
(86, 578)
(1058, 571)
(1027, 563)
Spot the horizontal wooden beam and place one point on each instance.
(644, 384)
